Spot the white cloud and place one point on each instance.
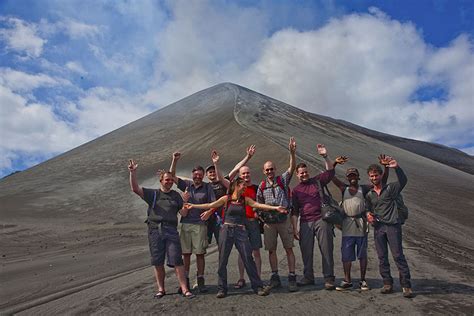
(76, 29)
(21, 36)
(76, 67)
(24, 82)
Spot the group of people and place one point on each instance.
(233, 210)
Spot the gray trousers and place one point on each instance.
(324, 234)
(391, 235)
(238, 236)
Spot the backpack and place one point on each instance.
(402, 209)
(274, 217)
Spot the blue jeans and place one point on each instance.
(391, 235)
(238, 236)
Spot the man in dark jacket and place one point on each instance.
(383, 214)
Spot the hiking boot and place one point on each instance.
(407, 292)
(263, 291)
(275, 281)
(387, 289)
(200, 285)
(363, 285)
(344, 286)
(329, 286)
(221, 294)
(292, 283)
(304, 282)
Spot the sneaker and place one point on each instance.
(304, 282)
(407, 292)
(344, 286)
(275, 281)
(263, 291)
(292, 283)
(329, 286)
(221, 294)
(200, 285)
(387, 289)
(364, 286)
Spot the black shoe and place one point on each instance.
(344, 286)
(275, 281)
(292, 283)
(304, 282)
(201, 285)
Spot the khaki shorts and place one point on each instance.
(193, 238)
(271, 232)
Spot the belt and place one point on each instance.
(234, 225)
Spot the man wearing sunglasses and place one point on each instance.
(274, 190)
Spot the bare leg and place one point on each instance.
(363, 268)
(272, 257)
(347, 271)
(180, 274)
(160, 277)
(200, 263)
(187, 263)
(291, 260)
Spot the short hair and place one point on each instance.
(162, 175)
(198, 168)
(300, 165)
(374, 167)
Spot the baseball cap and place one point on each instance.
(210, 167)
(352, 171)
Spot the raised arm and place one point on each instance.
(265, 207)
(132, 167)
(323, 152)
(205, 206)
(402, 178)
(174, 162)
(384, 160)
(339, 160)
(243, 162)
(292, 149)
(215, 160)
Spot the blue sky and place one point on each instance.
(71, 71)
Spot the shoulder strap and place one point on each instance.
(154, 198)
(262, 185)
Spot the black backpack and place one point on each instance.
(402, 209)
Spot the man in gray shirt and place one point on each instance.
(193, 234)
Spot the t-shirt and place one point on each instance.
(203, 194)
(354, 224)
(250, 192)
(166, 207)
(306, 198)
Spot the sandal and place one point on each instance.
(240, 284)
(189, 295)
(160, 294)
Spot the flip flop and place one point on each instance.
(160, 294)
(189, 295)
(240, 284)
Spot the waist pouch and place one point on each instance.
(272, 217)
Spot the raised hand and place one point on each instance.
(341, 160)
(214, 156)
(186, 196)
(292, 145)
(251, 151)
(393, 163)
(322, 150)
(176, 155)
(384, 159)
(132, 165)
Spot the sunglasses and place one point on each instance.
(269, 169)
